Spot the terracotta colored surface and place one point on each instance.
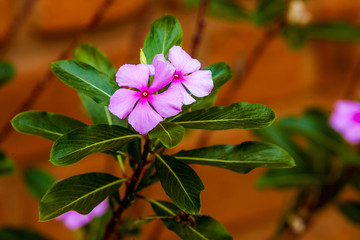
(288, 81)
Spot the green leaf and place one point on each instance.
(164, 33)
(12, 233)
(180, 183)
(89, 54)
(80, 193)
(38, 181)
(351, 210)
(77, 144)
(238, 115)
(7, 72)
(169, 134)
(268, 11)
(238, 158)
(221, 73)
(333, 31)
(44, 124)
(85, 79)
(206, 227)
(294, 35)
(7, 167)
(100, 114)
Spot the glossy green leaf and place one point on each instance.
(38, 181)
(180, 183)
(12, 233)
(238, 158)
(221, 73)
(164, 33)
(351, 210)
(7, 166)
(7, 72)
(85, 79)
(80, 193)
(77, 144)
(206, 228)
(45, 124)
(333, 32)
(236, 116)
(268, 11)
(89, 54)
(100, 114)
(169, 134)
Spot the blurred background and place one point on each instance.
(34, 33)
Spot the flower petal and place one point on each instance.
(99, 209)
(123, 101)
(73, 220)
(182, 61)
(134, 76)
(186, 97)
(143, 118)
(164, 73)
(199, 83)
(167, 103)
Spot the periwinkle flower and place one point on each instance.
(144, 107)
(73, 220)
(346, 120)
(187, 73)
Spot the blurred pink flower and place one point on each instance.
(73, 220)
(346, 120)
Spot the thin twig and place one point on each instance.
(201, 23)
(351, 91)
(48, 77)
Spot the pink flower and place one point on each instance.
(187, 73)
(145, 108)
(73, 220)
(346, 120)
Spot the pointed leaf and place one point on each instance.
(7, 72)
(333, 31)
(89, 54)
(169, 134)
(12, 233)
(238, 115)
(351, 210)
(38, 181)
(238, 158)
(7, 167)
(80, 193)
(268, 11)
(85, 79)
(180, 183)
(206, 227)
(75, 145)
(45, 124)
(164, 33)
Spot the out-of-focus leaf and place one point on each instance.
(7, 167)
(12, 233)
(268, 11)
(7, 72)
(333, 31)
(351, 210)
(295, 36)
(38, 181)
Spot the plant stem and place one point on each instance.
(110, 231)
(351, 91)
(201, 22)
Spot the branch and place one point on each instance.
(201, 22)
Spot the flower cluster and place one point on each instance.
(147, 103)
(346, 120)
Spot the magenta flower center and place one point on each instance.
(145, 94)
(176, 75)
(356, 117)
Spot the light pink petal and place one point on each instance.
(123, 101)
(73, 220)
(199, 83)
(134, 76)
(151, 69)
(352, 134)
(99, 210)
(182, 61)
(143, 118)
(167, 103)
(164, 73)
(186, 97)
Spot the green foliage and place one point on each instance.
(77, 144)
(80, 193)
(238, 116)
(294, 35)
(11, 233)
(85, 79)
(7, 167)
(164, 33)
(38, 181)
(180, 183)
(7, 72)
(169, 134)
(206, 228)
(351, 210)
(240, 158)
(44, 124)
(333, 31)
(268, 10)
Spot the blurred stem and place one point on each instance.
(111, 227)
(351, 91)
(121, 164)
(201, 23)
